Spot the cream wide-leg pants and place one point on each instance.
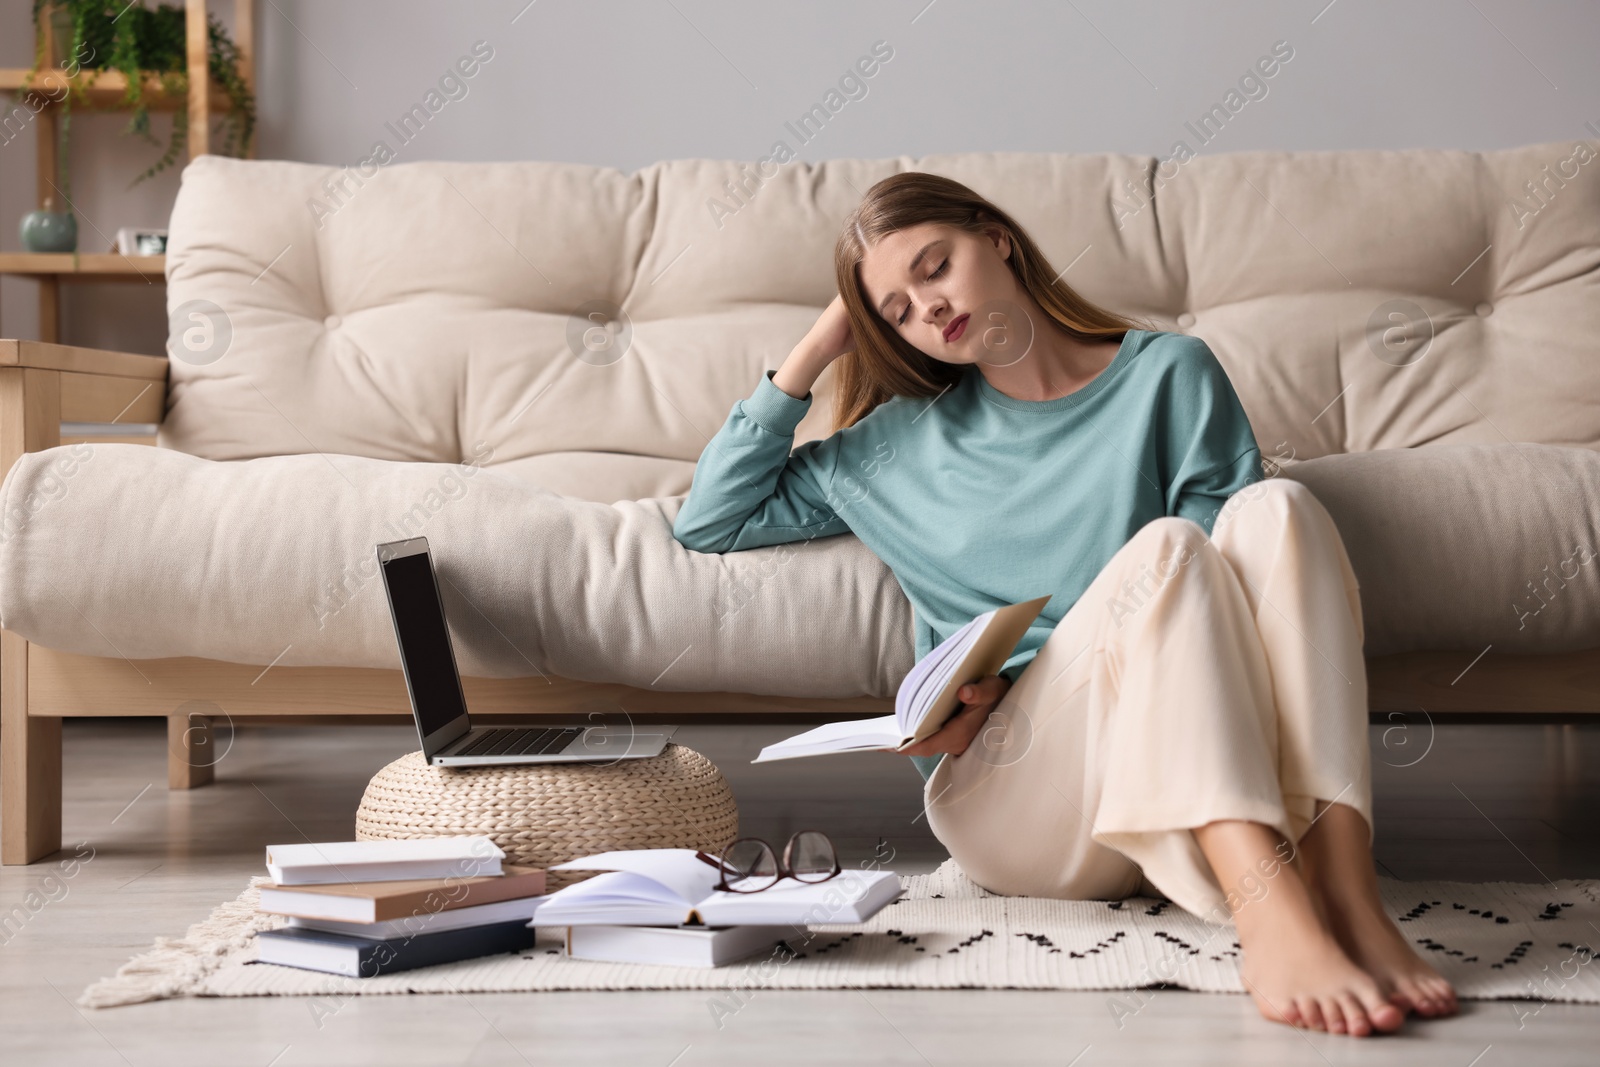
(1196, 679)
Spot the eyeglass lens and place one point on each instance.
(750, 865)
(810, 856)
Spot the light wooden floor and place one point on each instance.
(1514, 803)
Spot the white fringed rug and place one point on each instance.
(1499, 940)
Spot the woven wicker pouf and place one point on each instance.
(548, 813)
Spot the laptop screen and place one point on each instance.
(424, 639)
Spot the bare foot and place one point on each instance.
(1292, 964)
(1298, 974)
(1341, 877)
(1371, 939)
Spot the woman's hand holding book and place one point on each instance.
(978, 699)
(941, 704)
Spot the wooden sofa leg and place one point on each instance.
(191, 758)
(30, 764)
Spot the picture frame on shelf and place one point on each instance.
(141, 241)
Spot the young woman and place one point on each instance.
(1189, 714)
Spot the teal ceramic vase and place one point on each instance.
(49, 231)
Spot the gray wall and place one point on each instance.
(624, 84)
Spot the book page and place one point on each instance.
(908, 697)
(847, 736)
(989, 651)
(676, 869)
(618, 887)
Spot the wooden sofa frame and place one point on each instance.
(42, 385)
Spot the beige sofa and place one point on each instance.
(523, 361)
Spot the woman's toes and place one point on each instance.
(1287, 1012)
(1311, 1012)
(1428, 999)
(1384, 1015)
(1441, 997)
(1355, 1016)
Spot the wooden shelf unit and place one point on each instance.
(95, 266)
(105, 89)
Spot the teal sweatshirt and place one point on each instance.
(976, 500)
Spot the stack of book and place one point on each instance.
(660, 905)
(363, 908)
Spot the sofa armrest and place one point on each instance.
(42, 385)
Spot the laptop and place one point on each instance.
(437, 702)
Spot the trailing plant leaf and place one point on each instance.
(180, 141)
(137, 41)
(223, 63)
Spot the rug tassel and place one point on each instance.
(177, 966)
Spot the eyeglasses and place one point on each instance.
(749, 865)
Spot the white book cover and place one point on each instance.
(681, 946)
(927, 695)
(428, 922)
(672, 886)
(327, 862)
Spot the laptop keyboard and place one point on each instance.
(514, 741)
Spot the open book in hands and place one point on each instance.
(928, 696)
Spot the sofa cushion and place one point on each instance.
(606, 477)
(125, 550)
(1358, 300)
(139, 552)
(1468, 546)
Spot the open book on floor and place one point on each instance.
(672, 886)
(927, 696)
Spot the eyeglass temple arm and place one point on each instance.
(706, 857)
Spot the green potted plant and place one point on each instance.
(137, 40)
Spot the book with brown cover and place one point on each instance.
(368, 902)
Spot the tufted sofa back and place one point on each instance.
(448, 311)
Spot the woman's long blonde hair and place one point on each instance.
(884, 365)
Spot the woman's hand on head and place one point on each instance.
(830, 336)
(978, 699)
(828, 339)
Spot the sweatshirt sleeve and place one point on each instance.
(1210, 449)
(925, 765)
(748, 489)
